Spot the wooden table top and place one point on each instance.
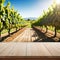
(29, 49)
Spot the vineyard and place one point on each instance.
(50, 19)
(30, 29)
(11, 22)
(9, 19)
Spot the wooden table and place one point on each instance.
(29, 50)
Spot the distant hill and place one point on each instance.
(31, 18)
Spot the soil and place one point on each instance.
(28, 34)
(13, 36)
(46, 37)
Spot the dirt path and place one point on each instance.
(29, 35)
(33, 35)
(46, 37)
(14, 35)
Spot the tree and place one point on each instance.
(7, 17)
(1, 15)
(50, 18)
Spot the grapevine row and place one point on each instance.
(9, 18)
(50, 18)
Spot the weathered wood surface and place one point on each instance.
(29, 49)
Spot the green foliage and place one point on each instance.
(50, 17)
(1, 25)
(9, 18)
(2, 1)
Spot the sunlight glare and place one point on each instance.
(58, 1)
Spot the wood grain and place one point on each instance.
(29, 49)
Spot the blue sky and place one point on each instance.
(30, 8)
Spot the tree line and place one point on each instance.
(9, 18)
(51, 17)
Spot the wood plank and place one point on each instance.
(7, 50)
(37, 49)
(3, 47)
(13, 49)
(18, 50)
(54, 48)
(29, 49)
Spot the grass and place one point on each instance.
(5, 30)
(29, 25)
(58, 31)
(51, 28)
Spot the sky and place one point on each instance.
(30, 8)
